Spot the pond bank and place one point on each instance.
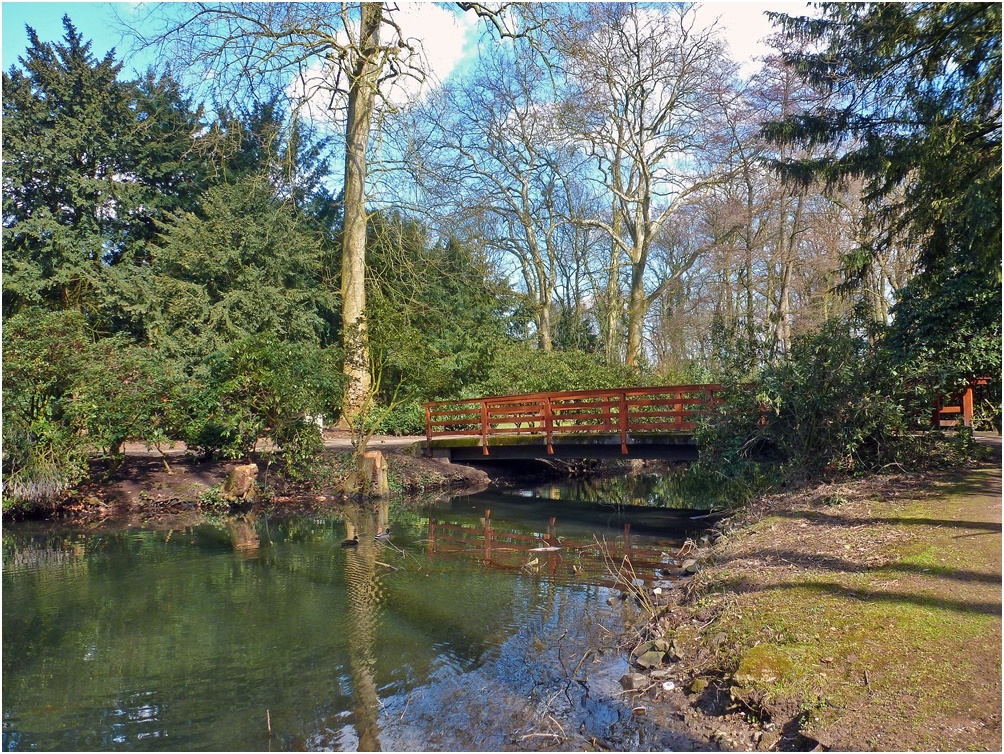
(861, 615)
(152, 481)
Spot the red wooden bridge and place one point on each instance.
(641, 422)
(644, 422)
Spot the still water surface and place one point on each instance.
(462, 630)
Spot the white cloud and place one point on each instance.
(745, 26)
(438, 38)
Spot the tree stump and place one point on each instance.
(240, 482)
(370, 478)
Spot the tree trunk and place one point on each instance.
(362, 97)
(544, 325)
(637, 307)
(613, 349)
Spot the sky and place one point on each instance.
(446, 41)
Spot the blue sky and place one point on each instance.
(743, 23)
(94, 20)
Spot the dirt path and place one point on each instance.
(862, 616)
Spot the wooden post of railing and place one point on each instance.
(484, 427)
(679, 408)
(623, 418)
(967, 407)
(548, 424)
(428, 430)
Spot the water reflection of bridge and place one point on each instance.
(598, 562)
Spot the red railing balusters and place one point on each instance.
(639, 409)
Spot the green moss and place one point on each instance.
(763, 665)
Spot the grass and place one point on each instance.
(897, 649)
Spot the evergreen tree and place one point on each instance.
(916, 112)
(90, 163)
(247, 264)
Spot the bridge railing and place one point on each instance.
(668, 408)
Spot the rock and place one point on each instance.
(92, 500)
(660, 675)
(634, 681)
(661, 645)
(719, 638)
(764, 664)
(613, 601)
(240, 482)
(650, 659)
(768, 741)
(675, 651)
(698, 685)
(690, 566)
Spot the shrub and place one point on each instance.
(262, 388)
(840, 403)
(43, 454)
(518, 368)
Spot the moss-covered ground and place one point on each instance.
(866, 615)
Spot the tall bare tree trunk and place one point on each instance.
(362, 98)
(613, 347)
(637, 308)
(544, 327)
(783, 331)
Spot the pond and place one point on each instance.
(481, 622)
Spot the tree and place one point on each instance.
(335, 53)
(246, 264)
(916, 114)
(492, 150)
(644, 103)
(91, 163)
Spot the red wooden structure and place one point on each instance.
(947, 411)
(669, 409)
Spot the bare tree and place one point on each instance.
(332, 58)
(643, 83)
(493, 154)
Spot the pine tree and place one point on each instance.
(916, 113)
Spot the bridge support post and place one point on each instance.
(548, 424)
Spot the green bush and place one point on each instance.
(43, 453)
(262, 388)
(517, 368)
(123, 391)
(406, 418)
(840, 404)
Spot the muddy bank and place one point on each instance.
(150, 483)
(864, 615)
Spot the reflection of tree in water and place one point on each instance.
(666, 490)
(364, 601)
